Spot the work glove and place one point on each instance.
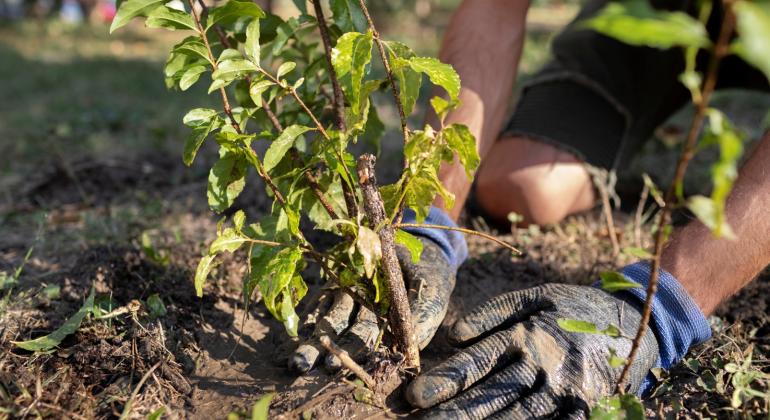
(429, 284)
(519, 363)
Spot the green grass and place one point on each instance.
(76, 92)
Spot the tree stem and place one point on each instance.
(388, 72)
(701, 106)
(338, 100)
(399, 314)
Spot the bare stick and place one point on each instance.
(347, 362)
(129, 403)
(399, 314)
(720, 50)
(458, 229)
(388, 72)
(338, 100)
(639, 213)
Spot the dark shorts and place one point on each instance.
(601, 99)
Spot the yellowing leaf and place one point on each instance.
(462, 142)
(411, 243)
(369, 246)
(439, 73)
(202, 272)
(753, 24)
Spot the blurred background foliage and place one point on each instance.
(71, 92)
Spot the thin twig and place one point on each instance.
(388, 72)
(338, 100)
(457, 229)
(347, 362)
(720, 50)
(638, 215)
(127, 406)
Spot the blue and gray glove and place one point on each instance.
(519, 363)
(429, 283)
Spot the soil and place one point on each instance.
(208, 357)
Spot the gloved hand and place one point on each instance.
(429, 283)
(523, 365)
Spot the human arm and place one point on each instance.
(483, 42)
(712, 269)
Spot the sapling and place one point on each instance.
(309, 98)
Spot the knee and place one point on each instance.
(531, 192)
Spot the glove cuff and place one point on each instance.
(452, 243)
(677, 320)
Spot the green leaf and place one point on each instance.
(708, 212)
(130, 9)
(228, 241)
(440, 74)
(285, 68)
(348, 16)
(238, 219)
(203, 121)
(202, 272)
(441, 106)
(165, 17)
(257, 88)
(301, 5)
(614, 282)
(350, 58)
(617, 407)
(282, 144)
(411, 243)
(368, 245)
(155, 306)
(53, 339)
(462, 142)
(288, 314)
(273, 279)
(231, 11)
(577, 326)
(190, 76)
(615, 360)
(421, 190)
(229, 70)
(261, 408)
(635, 22)
(226, 181)
(252, 47)
(409, 81)
(192, 47)
(753, 24)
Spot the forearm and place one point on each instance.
(713, 269)
(483, 42)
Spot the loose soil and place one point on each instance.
(209, 357)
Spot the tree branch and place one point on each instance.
(458, 229)
(399, 313)
(388, 72)
(720, 50)
(338, 100)
(347, 362)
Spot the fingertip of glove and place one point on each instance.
(420, 393)
(461, 332)
(303, 359)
